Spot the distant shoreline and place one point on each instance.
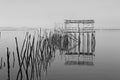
(107, 29)
(36, 28)
(16, 29)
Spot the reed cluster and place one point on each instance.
(36, 54)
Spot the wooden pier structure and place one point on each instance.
(81, 34)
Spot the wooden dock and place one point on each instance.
(82, 34)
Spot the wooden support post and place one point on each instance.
(74, 44)
(92, 42)
(83, 41)
(88, 42)
(71, 41)
(79, 40)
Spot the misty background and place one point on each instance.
(46, 13)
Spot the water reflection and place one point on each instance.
(38, 52)
(2, 64)
(85, 62)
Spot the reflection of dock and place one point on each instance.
(81, 53)
(88, 63)
(75, 59)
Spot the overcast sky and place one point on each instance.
(45, 13)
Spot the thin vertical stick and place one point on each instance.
(17, 50)
(13, 59)
(18, 57)
(8, 63)
(1, 63)
(23, 43)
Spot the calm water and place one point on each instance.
(105, 65)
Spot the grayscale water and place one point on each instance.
(105, 65)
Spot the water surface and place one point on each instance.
(103, 66)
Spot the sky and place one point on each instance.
(46, 13)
